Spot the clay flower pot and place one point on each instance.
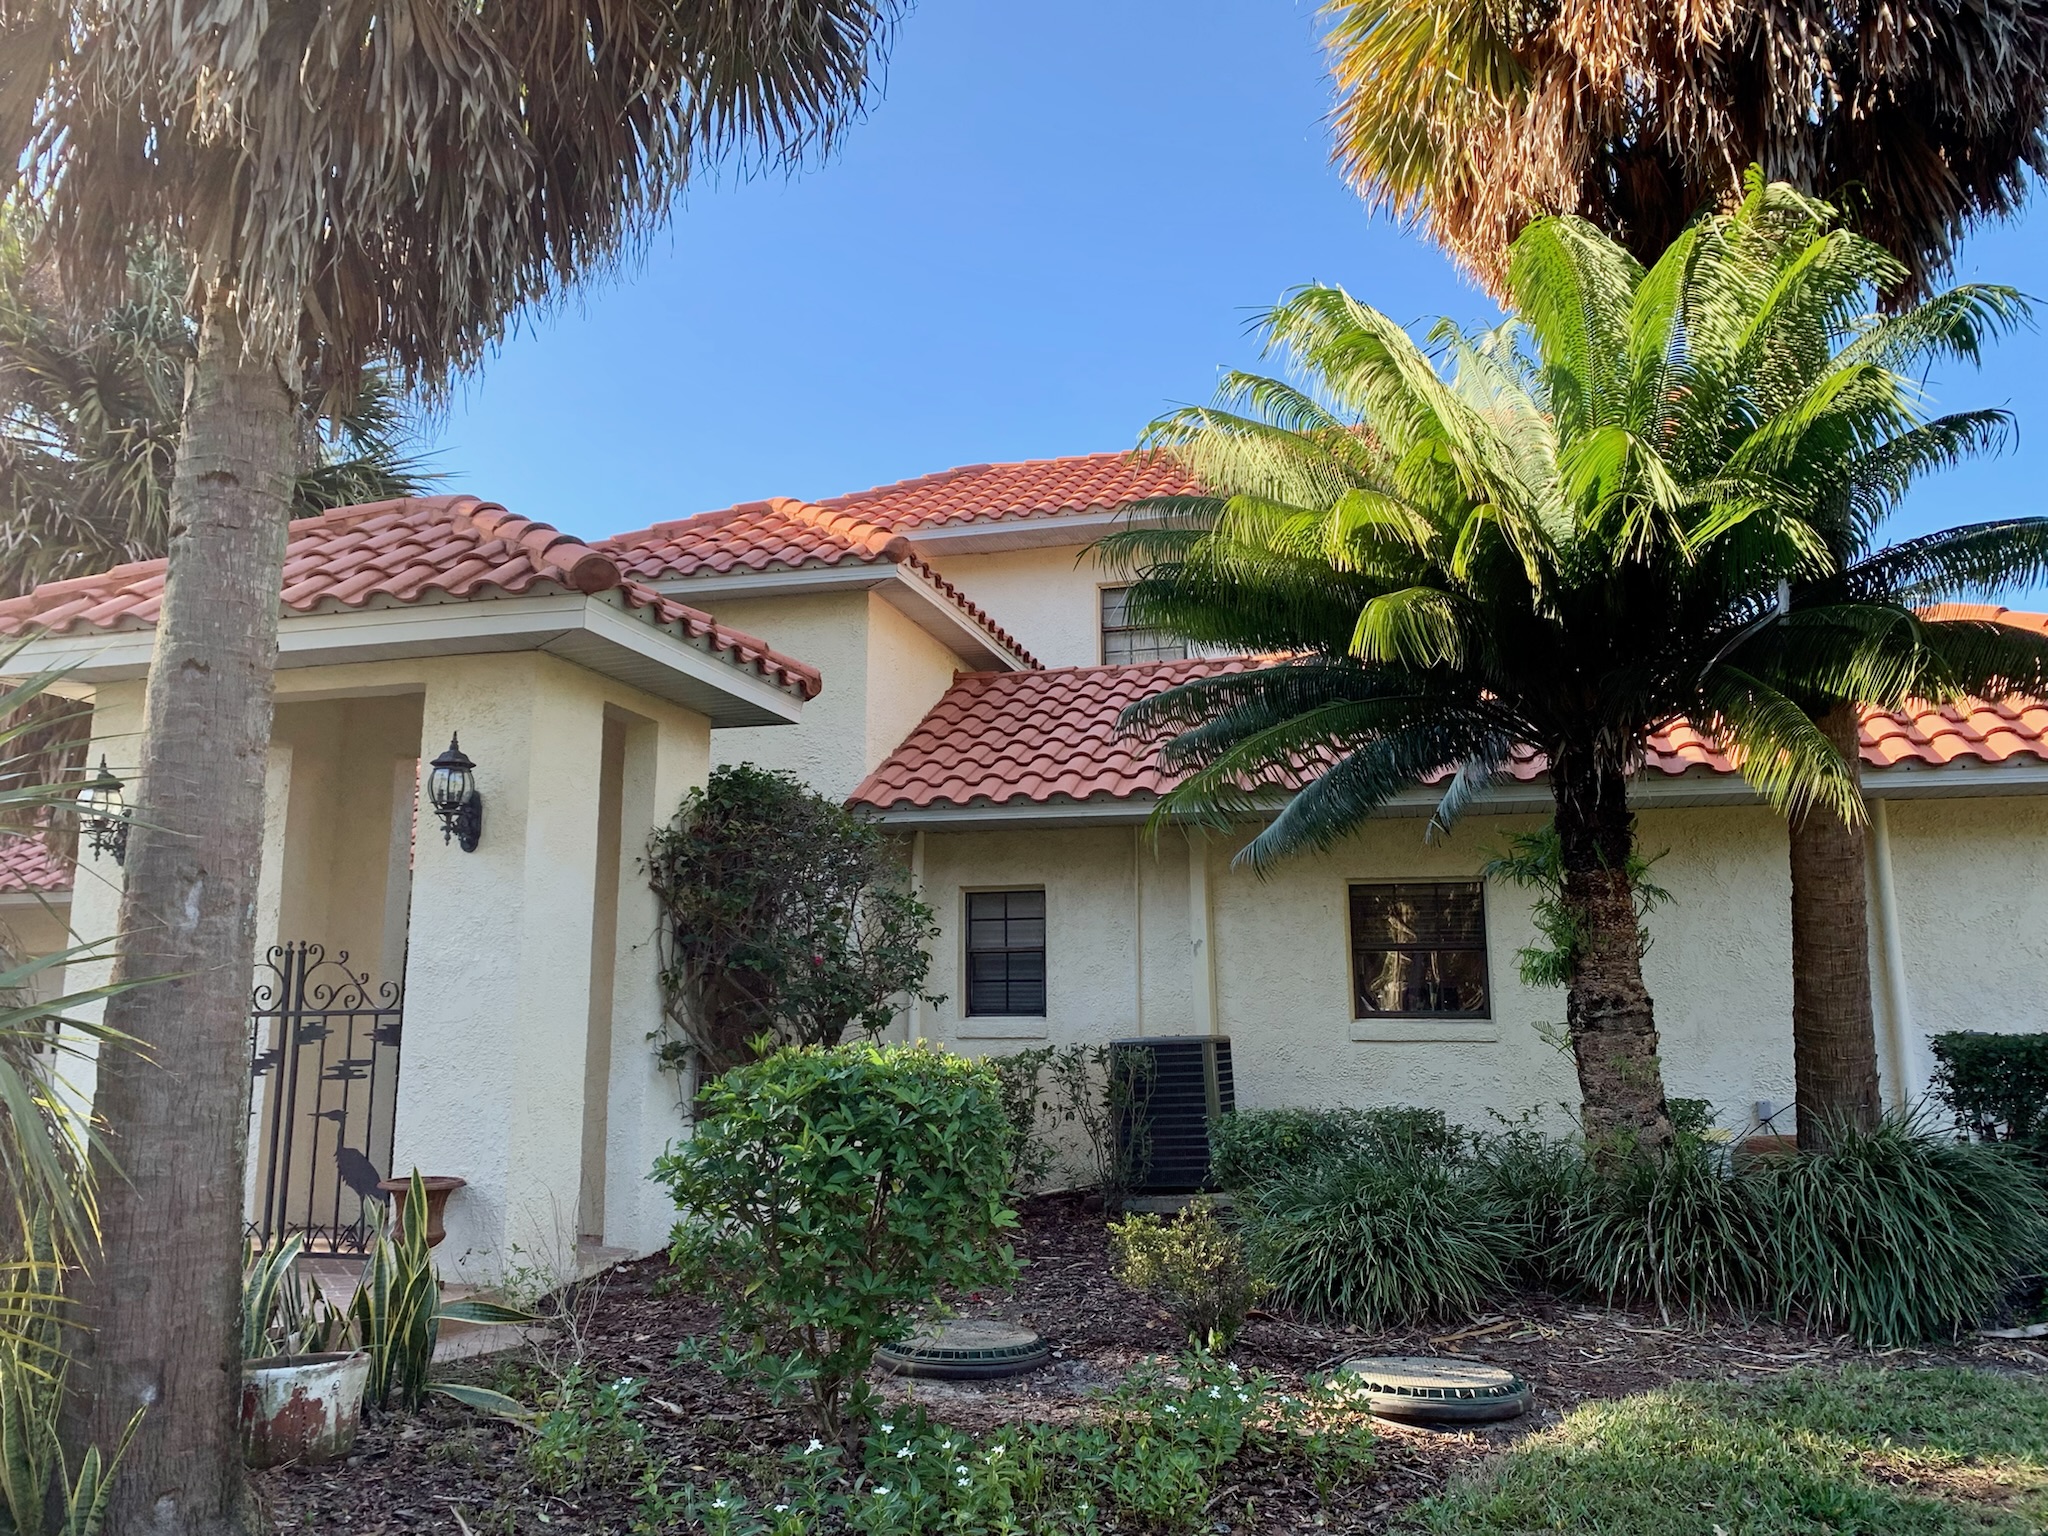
(302, 1408)
(438, 1190)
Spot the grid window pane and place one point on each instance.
(1124, 642)
(1006, 954)
(1418, 949)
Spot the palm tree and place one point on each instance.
(1548, 540)
(89, 419)
(351, 180)
(1919, 118)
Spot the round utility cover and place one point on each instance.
(1429, 1389)
(965, 1349)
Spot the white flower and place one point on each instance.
(963, 1482)
(1218, 1392)
(782, 1509)
(994, 1453)
(881, 1493)
(814, 1447)
(906, 1451)
(718, 1503)
(888, 1429)
(961, 1470)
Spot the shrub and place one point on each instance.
(1256, 1145)
(828, 1195)
(1195, 1266)
(783, 915)
(1377, 1240)
(1996, 1085)
(1056, 1095)
(1670, 1228)
(1896, 1236)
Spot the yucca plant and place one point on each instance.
(1543, 541)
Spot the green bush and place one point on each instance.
(1373, 1241)
(587, 1434)
(828, 1195)
(1255, 1146)
(1896, 1236)
(1672, 1229)
(1996, 1085)
(1537, 1181)
(1195, 1266)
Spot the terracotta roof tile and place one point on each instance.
(1089, 482)
(27, 866)
(783, 534)
(1034, 738)
(402, 551)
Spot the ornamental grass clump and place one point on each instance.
(1897, 1236)
(828, 1196)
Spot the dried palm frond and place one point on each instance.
(1917, 116)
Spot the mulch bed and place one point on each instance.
(446, 1470)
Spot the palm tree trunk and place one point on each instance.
(1608, 1010)
(1834, 1031)
(162, 1312)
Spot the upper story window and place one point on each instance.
(1123, 641)
(1006, 954)
(1418, 950)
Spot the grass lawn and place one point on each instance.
(1883, 1452)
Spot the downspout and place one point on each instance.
(1138, 922)
(917, 890)
(1198, 933)
(1897, 1047)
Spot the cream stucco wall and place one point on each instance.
(1046, 597)
(1974, 922)
(881, 672)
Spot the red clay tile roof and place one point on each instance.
(1037, 738)
(28, 867)
(405, 551)
(1090, 482)
(782, 534)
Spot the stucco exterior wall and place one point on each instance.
(828, 748)
(1046, 597)
(1974, 921)
(907, 673)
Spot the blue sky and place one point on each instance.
(1053, 225)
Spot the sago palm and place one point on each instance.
(1548, 540)
(1921, 116)
(350, 180)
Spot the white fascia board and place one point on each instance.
(903, 589)
(588, 630)
(15, 900)
(991, 537)
(1959, 780)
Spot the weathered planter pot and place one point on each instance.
(303, 1408)
(438, 1187)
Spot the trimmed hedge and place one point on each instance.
(1996, 1085)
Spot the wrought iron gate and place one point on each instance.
(323, 1048)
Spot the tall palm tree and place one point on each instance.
(1548, 540)
(1917, 116)
(350, 179)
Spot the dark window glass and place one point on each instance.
(1123, 641)
(1418, 949)
(1006, 954)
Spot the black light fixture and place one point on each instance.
(103, 814)
(451, 787)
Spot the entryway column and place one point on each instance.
(491, 1081)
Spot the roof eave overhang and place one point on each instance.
(906, 590)
(595, 631)
(1043, 530)
(1963, 779)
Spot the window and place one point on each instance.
(1006, 954)
(1418, 949)
(1123, 641)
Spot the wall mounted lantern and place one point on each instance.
(451, 788)
(103, 814)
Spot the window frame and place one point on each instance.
(968, 1013)
(1361, 1015)
(1103, 630)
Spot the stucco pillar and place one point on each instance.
(664, 760)
(498, 966)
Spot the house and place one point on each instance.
(971, 660)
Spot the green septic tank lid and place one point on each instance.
(965, 1349)
(1432, 1389)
